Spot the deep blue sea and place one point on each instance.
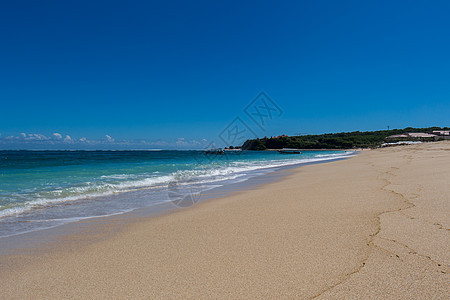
(42, 189)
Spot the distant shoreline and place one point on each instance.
(323, 149)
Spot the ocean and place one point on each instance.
(44, 189)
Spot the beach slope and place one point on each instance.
(373, 226)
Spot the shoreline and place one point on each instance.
(328, 229)
(39, 238)
(320, 149)
(225, 188)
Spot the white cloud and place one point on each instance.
(34, 137)
(57, 136)
(58, 140)
(158, 143)
(196, 143)
(181, 142)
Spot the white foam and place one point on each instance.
(234, 170)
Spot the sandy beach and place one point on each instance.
(373, 226)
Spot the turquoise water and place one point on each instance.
(41, 189)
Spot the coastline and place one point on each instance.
(150, 180)
(42, 238)
(335, 229)
(149, 200)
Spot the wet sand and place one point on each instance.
(373, 226)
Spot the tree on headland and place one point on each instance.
(342, 140)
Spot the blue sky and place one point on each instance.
(174, 74)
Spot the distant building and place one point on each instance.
(421, 135)
(441, 132)
(413, 136)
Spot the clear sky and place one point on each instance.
(176, 73)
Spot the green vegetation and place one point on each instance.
(343, 140)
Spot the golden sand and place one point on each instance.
(373, 226)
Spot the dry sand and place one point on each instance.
(374, 226)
